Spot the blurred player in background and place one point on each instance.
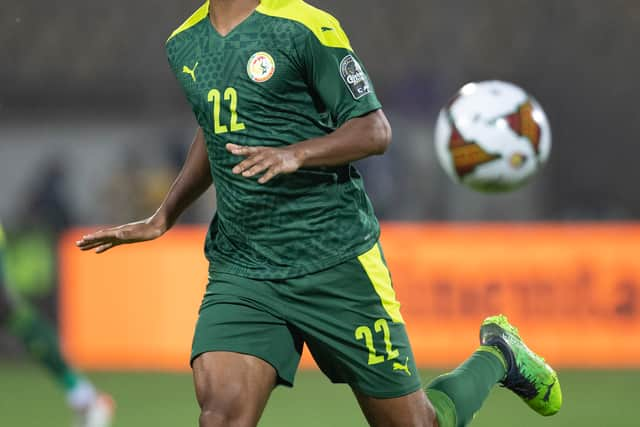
(91, 408)
(284, 107)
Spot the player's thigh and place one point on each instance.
(233, 388)
(237, 315)
(413, 410)
(241, 350)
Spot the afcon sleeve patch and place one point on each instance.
(354, 77)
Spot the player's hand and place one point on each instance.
(269, 161)
(135, 232)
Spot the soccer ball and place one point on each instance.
(492, 136)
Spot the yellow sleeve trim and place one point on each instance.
(325, 27)
(198, 16)
(381, 281)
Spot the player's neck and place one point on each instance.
(225, 15)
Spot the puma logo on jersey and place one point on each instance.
(325, 29)
(400, 367)
(191, 72)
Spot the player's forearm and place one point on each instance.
(194, 179)
(357, 139)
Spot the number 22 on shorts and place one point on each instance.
(365, 333)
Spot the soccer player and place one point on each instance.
(91, 408)
(284, 107)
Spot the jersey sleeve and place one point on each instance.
(338, 78)
(170, 49)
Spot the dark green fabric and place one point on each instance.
(444, 407)
(299, 223)
(41, 342)
(271, 318)
(467, 387)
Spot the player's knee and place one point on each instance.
(221, 405)
(425, 414)
(218, 413)
(213, 418)
(431, 419)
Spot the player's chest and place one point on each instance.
(250, 67)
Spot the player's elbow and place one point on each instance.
(381, 133)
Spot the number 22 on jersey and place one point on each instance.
(231, 96)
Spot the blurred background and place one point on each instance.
(93, 129)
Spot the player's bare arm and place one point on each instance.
(356, 139)
(194, 179)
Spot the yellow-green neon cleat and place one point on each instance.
(528, 375)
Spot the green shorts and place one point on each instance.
(347, 315)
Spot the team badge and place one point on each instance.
(261, 67)
(354, 77)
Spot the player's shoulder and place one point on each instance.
(317, 22)
(191, 23)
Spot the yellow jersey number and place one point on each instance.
(231, 96)
(365, 333)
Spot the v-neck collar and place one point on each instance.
(234, 29)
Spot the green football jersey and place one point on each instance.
(284, 75)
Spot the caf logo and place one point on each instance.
(261, 67)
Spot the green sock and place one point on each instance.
(458, 395)
(41, 342)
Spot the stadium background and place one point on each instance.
(93, 128)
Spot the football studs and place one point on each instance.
(261, 67)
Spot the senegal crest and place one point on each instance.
(261, 67)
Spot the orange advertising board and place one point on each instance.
(574, 292)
